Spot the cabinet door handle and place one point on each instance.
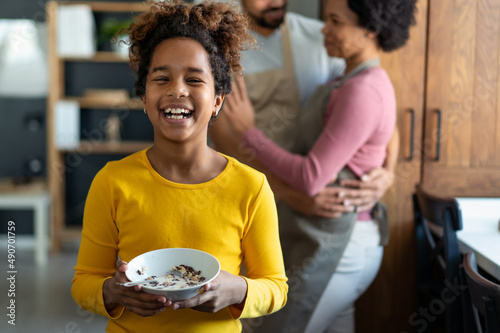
(438, 132)
(412, 134)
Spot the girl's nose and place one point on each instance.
(176, 90)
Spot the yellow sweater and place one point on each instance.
(131, 209)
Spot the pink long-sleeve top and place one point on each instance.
(359, 121)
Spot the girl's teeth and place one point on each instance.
(176, 113)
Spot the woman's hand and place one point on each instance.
(227, 289)
(370, 189)
(328, 203)
(238, 108)
(331, 202)
(132, 298)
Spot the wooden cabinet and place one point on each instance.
(446, 78)
(461, 146)
(58, 158)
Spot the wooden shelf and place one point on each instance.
(128, 7)
(7, 185)
(90, 103)
(100, 56)
(105, 99)
(70, 236)
(122, 147)
(71, 232)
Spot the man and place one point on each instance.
(280, 77)
(279, 83)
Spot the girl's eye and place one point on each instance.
(194, 80)
(160, 79)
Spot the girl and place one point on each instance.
(180, 192)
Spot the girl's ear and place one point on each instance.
(143, 98)
(219, 101)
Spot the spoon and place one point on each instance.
(135, 283)
(175, 273)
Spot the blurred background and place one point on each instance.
(42, 295)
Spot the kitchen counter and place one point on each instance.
(480, 232)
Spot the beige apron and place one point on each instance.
(275, 97)
(312, 247)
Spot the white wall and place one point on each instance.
(305, 7)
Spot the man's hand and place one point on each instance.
(328, 203)
(238, 109)
(367, 191)
(355, 195)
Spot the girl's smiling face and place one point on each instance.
(180, 94)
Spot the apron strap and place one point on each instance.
(375, 62)
(287, 51)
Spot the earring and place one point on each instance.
(215, 113)
(145, 112)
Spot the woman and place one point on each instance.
(180, 192)
(347, 141)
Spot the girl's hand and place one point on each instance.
(132, 298)
(238, 109)
(227, 289)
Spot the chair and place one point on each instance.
(485, 296)
(438, 263)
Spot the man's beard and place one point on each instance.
(262, 22)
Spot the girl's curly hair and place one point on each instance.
(389, 19)
(219, 27)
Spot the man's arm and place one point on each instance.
(328, 203)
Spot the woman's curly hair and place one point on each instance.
(219, 27)
(389, 19)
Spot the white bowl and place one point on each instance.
(159, 262)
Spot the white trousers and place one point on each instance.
(355, 272)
